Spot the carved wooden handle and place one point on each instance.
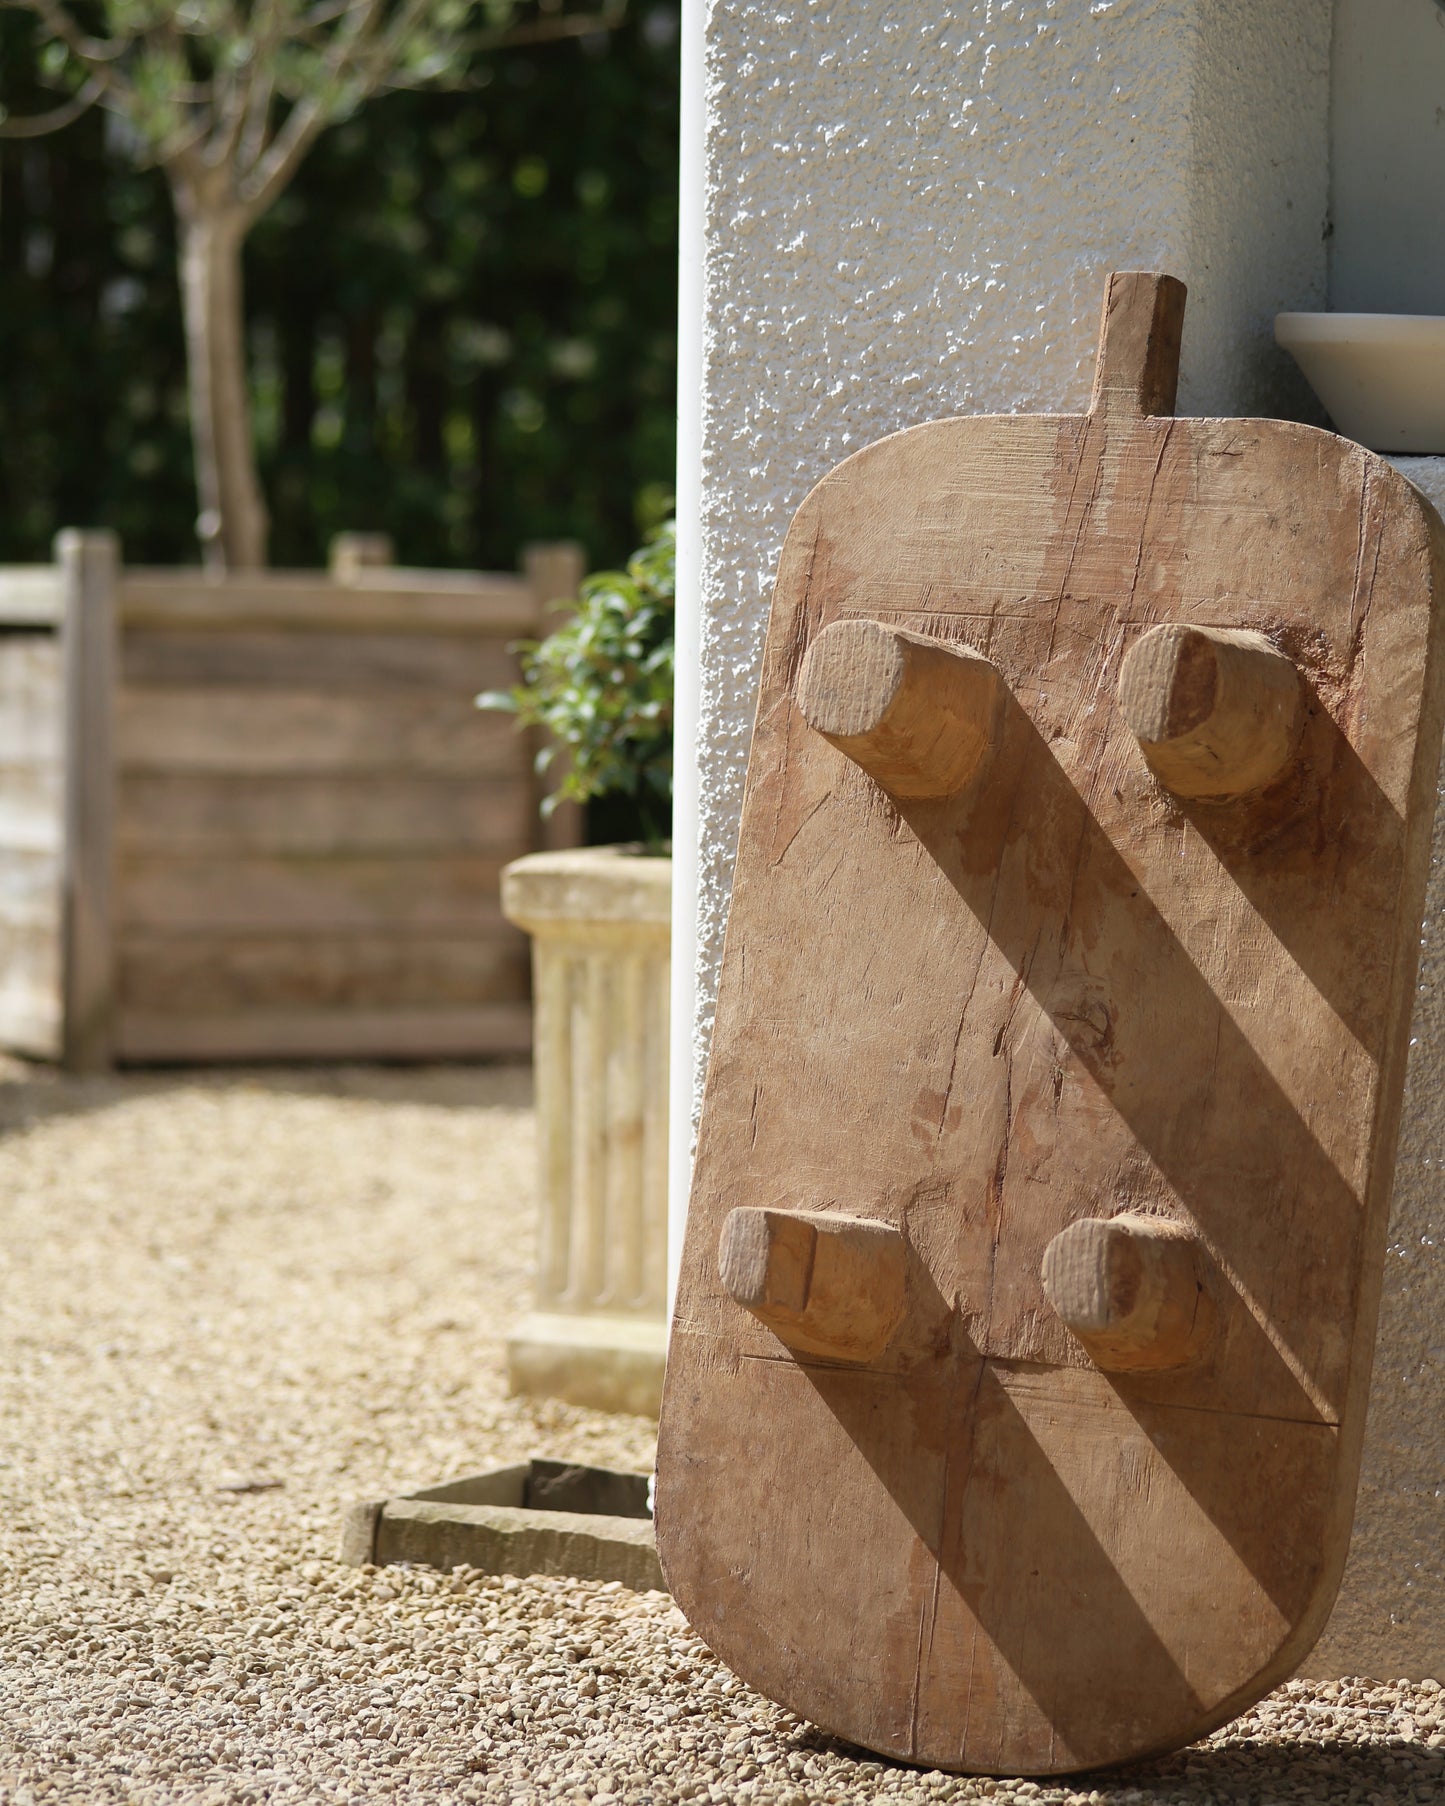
(1136, 372)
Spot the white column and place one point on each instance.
(908, 212)
(685, 1053)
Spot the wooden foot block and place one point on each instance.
(1132, 1289)
(920, 717)
(1216, 713)
(824, 1284)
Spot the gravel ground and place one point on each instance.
(231, 1305)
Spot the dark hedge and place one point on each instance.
(462, 319)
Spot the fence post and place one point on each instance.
(89, 630)
(555, 569)
(349, 554)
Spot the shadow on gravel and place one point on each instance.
(32, 1092)
(1268, 1769)
(1253, 1772)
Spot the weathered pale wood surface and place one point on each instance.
(304, 892)
(321, 661)
(31, 833)
(30, 596)
(231, 729)
(824, 1283)
(190, 812)
(89, 653)
(394, 601)
(216, 970)
(357, 1032)
(921, 719)
(1134, 1291)
(1064, 994)
(312, 816)
(1216, 713)
(281, 807)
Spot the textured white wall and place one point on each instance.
(1387, 252)
(1390, 1617)
(909, 212)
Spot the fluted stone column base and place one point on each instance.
(600, 921)
(606, 1363)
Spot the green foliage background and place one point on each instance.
(462, 319)
(602, 685)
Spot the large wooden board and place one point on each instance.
(235, 815)
(243, 730)
(1063, 994)
(206, 972)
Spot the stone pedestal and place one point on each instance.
(599, 921)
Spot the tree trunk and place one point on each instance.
(232, 524)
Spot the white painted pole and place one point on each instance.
(689, 633)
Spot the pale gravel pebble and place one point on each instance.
(304, 1277)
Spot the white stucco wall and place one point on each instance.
(909, 212)
(1389, 1620)
(1387, 150)
(1387, 254)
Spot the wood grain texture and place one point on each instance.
(89, 631)
(1136, 372)
(1065, 995)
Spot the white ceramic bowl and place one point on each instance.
(1381, 376)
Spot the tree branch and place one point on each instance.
(58, 21)
(307, 117)
(545, 31)
(37, 125)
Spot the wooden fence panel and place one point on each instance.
(31, 811)
(259, 817)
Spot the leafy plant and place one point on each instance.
(602, 688)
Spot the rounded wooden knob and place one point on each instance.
(918, 716)
(1217, 711)
(1131, 1288)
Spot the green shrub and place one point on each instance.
(602, 688)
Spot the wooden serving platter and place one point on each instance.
(1018, 1373)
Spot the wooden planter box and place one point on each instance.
(259, 817)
